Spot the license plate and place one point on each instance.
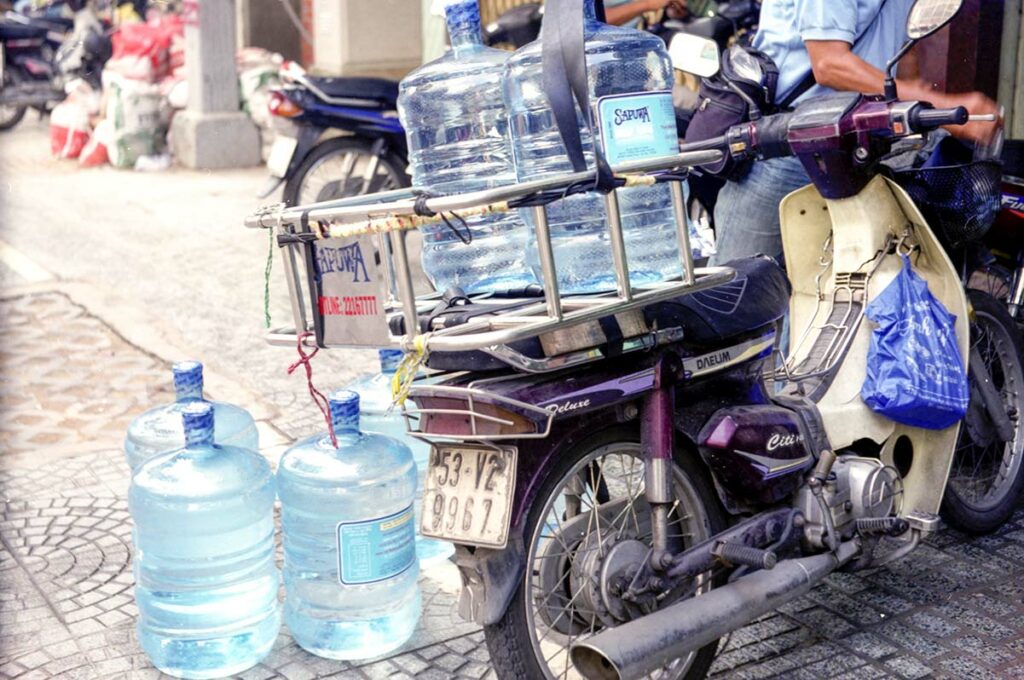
(468, 494)
(281, 155)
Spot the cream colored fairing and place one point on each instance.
(864, 224)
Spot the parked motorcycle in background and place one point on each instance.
(40, 55)
(1000, 271)
(337, 137)
(619, 536)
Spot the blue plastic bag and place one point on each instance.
(915, 374)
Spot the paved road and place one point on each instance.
(173, 244)
(149, 267)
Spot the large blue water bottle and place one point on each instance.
(456, 127)
(205, 580)
(629, 76)
(159, 429)
(377, 415)
(349, 554)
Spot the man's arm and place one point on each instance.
(837, 67)
(620, 14)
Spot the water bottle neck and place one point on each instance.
(198, 422)
(345, 417)
(188, 380)
(463, 19)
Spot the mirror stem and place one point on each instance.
(890, 81)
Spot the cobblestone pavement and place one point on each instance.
(173, 244)
(69, 381)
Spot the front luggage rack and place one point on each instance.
(381, 221)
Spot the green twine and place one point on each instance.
(266, 280)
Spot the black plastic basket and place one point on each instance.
(960, 198)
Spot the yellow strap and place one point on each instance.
(404, 376)
(639, 180)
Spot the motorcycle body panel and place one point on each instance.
(880, 209)
(758, 452)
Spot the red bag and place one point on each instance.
(69, 129)
(152, 41)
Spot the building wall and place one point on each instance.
(266, 23)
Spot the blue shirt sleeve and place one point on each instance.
(827, 20)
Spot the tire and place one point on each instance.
(11, 115)
(316, 178)
(514, 641)
(971, 503)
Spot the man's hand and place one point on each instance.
(977, 104)
(837, 67)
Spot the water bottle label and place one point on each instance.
(377, 549)
(636, 127)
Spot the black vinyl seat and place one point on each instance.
(379, 93)
(759, 295)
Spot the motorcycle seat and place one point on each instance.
(758, 296)
(14, 31)
(377, 93)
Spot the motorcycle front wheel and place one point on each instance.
(987, 474)
(586, 531)
(341, 167)
(11, 115)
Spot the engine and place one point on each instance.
(856, 488)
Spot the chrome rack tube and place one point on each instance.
(363, 207)
(682, 230)
(291, 277)
(406, 294)
(618, 244)
(547, 263)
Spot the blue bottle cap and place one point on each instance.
(344, 405)
(390, 359)
(198, 420)
(188, 380)
(463, 20)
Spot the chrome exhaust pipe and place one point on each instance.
(646, 644)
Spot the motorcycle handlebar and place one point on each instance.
(922, 119)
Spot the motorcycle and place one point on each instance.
(616, 517)
(39, 55)
(369, 157)
(1001, 271)
(630, 476)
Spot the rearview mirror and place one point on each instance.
(694, 54)
(928, 16)
(925, 17)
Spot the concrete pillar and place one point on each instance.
(366, 37)
(212, 132)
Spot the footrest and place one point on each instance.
(887, 526)
(735, 555)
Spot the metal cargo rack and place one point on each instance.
(387, 216)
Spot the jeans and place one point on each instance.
(747, 211)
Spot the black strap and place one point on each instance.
(802, 87)
(808, 81)
(564, 73)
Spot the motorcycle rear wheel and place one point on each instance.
(11, 115)
(532, 639)
(987, 475)
(334, 169)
